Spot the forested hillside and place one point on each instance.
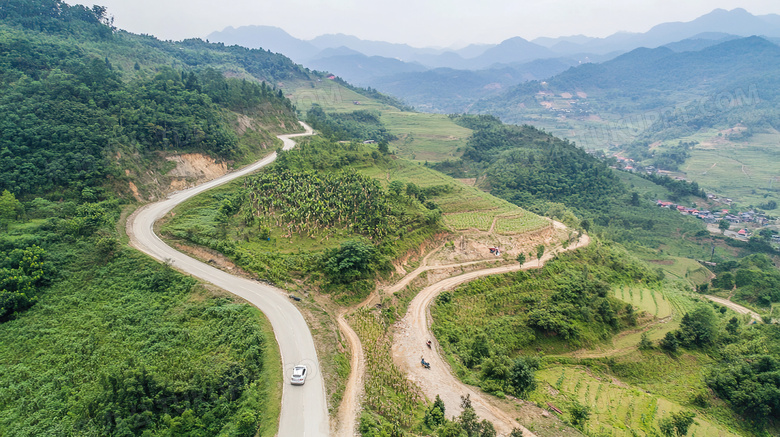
(94, 338)
(651, 79)
(76, 92)
(547, 175)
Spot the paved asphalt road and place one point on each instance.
(304, 408)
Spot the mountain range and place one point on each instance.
(713, 25)
(449, 80)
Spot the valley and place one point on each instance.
(183, 222)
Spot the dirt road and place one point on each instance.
(736, 307)
(349, 408)
(409, 346)
(304, 408)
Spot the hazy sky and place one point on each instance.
(415, 22)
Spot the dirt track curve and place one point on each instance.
(736, 307)
(304, 408)
(409, 345)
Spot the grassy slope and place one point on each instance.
(649, 385)
(103, 317)
(421, 137)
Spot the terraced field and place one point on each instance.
(616, 409)
(519, 223)
(649, 300)
(464, 207)
(470, 220)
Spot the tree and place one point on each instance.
(412, 190)
(451, 429)
(645, 343)
(670, 342)
(676, 424)
(350, 261)
(435, 415)
(480, 349)
(698, 327)
(10, 208)
(579, 413)
(468, 419)
(724, 225)
(396, 187)
(733, 326)
(516, 432)
(724, 280)
(521, 258)
(486, 429)
(522, 376)
(540, 253)
(383, 149)
(496, 367)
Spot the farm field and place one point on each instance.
(616, 408)
(746, 171)
(464, 207)
(421, 137)
(330, 95)
(426, 137)
(684, 269)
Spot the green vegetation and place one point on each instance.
(306, 203)
(677, 424)
(755, 278)
(360, 125)
(418, 136)
(70, 107)
(96, 339)
(748, 374)
(388, 392)
(566, 304)
(108, 342)
(491, 327)
(290, 223)
(546, 175)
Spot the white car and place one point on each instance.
(298, 375)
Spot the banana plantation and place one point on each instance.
(306, 202)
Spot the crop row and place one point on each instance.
(520, 224)
(470, 220)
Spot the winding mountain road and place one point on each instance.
(409, 345)
(304, 408)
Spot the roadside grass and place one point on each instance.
(387, 391)
(269, 426)
(616, 408)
